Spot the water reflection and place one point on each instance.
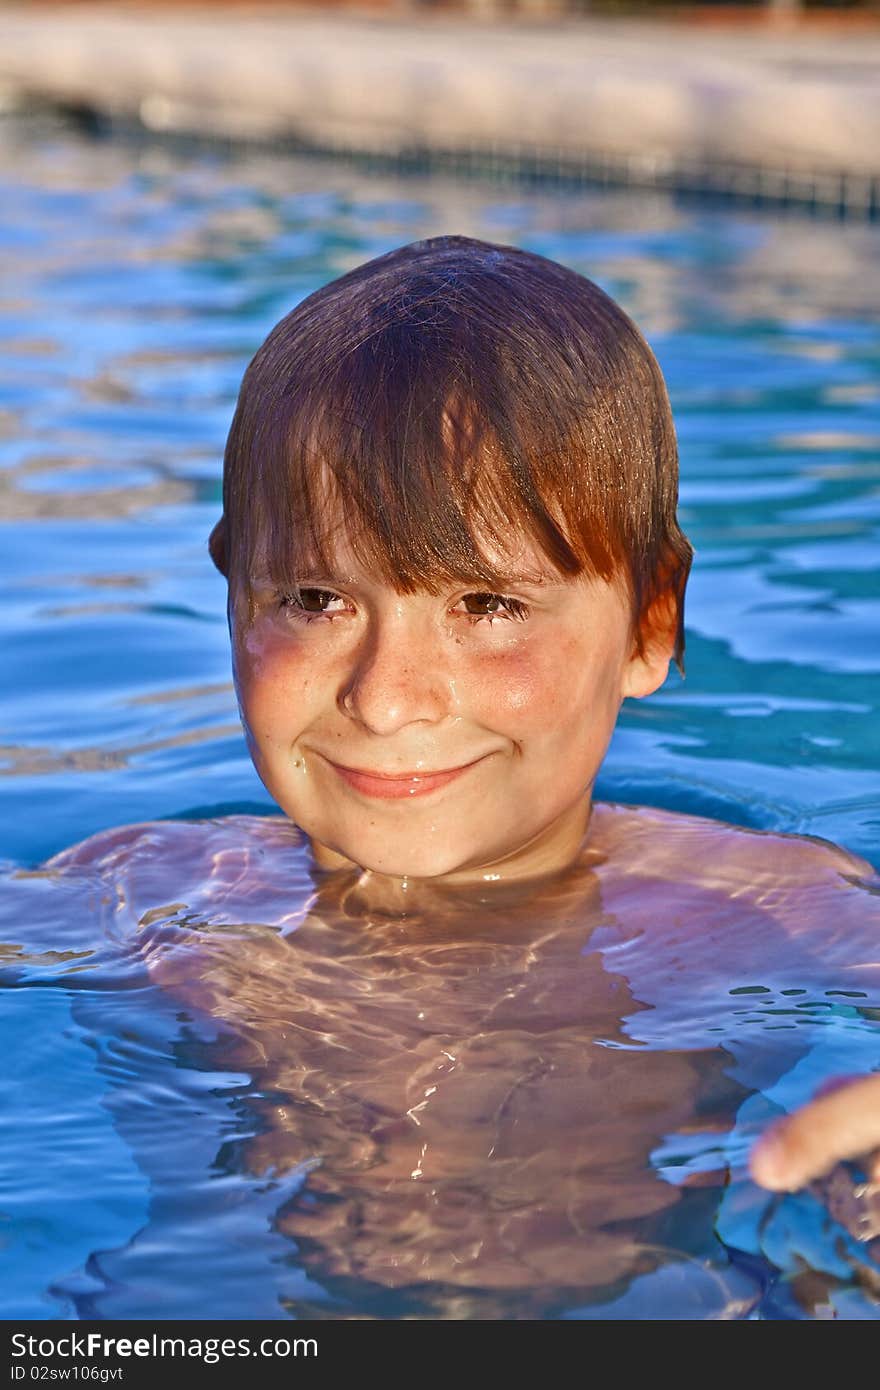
(451, 1089)
(140, 281)
(21, 504)
(40, 762)
(521, 1104)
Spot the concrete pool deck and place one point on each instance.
(788, 114)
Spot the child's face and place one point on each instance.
(357, 684)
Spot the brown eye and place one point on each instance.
(309, 603)
(491, 606)
(485, 603)
(314, 600)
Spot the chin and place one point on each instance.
(402, 864)
(410, 866)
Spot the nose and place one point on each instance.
(398, 675)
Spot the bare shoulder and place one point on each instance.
(193, 843)
(653, 842)
(726, 890)
(237, 868)
(108, 845)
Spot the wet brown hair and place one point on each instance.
(448, 390)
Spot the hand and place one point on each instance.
(842, 1121)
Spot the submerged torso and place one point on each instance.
(524, 1094)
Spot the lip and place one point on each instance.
(406, 784)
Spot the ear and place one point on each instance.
(217, 546)
(646, 671)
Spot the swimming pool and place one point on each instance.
(137, 282)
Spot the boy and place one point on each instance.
(449, 531)
(554, 424)
(393, 435)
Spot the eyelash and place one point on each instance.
(514, 607)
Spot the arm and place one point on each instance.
(832, 907)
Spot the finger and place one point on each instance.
(841, 1124)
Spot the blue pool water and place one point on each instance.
(136, 283)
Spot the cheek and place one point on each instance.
(274, 681)
(530, 686)
(547, 690)
(513, 685)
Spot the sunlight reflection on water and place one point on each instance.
(139, 282)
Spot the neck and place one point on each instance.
(553, 851)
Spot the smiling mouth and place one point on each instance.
(405, 784)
